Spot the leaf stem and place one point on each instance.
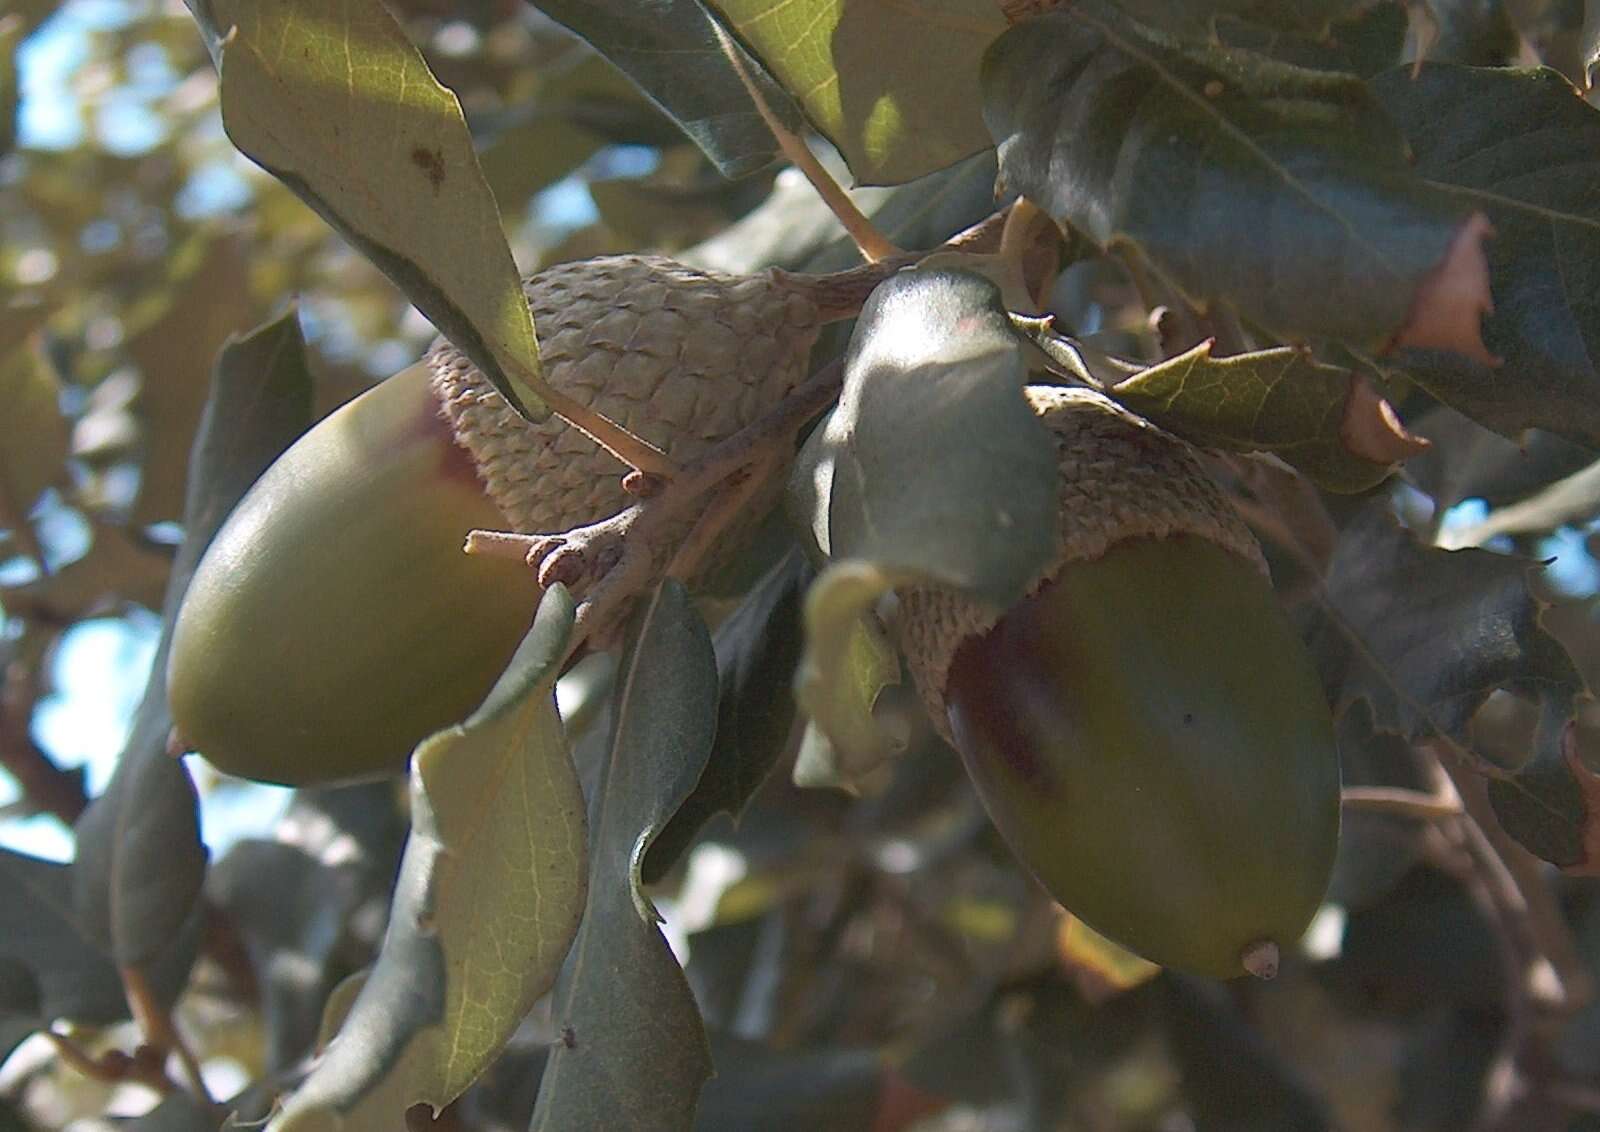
(632, 450)
(1017, 237)
(871, 242)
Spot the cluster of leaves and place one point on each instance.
(1287, 240)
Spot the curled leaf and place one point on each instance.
(932, 469)
(1519, 146)
(1325, 420)
(848, 663)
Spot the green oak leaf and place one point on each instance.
(336, 102)
(893, 86)
(1323, 419)
(489, 896)
(633, 1052)
(1284, 191)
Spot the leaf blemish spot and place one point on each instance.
(431, 162)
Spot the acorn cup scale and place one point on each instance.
(335, 620)
(1145, 729)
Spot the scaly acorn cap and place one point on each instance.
(679, 356)
(1121, 478)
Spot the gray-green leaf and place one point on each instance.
(933, 469)
(489, 896)
(935, 466)
(140, 861)
(634, 1052)
(671, 50)
(893, 86)
(336, 102)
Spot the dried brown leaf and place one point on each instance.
(118, 568)
(1373, 430)
(1449, 308)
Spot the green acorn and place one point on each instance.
(334, 622)
(1144, 728)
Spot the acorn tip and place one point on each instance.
(1261, 959)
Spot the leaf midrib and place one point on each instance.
(1227, 126)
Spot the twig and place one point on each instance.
(1579, 1096)
(617, 557)
(1535, 944)
(1449, 847)
(156, 1023)
(871, 242)
(660, 515)
(1176, 326)
(113, 1066)
(1548, 936)
(46, 787)
(731, 498)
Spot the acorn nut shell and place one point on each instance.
(334, 621)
